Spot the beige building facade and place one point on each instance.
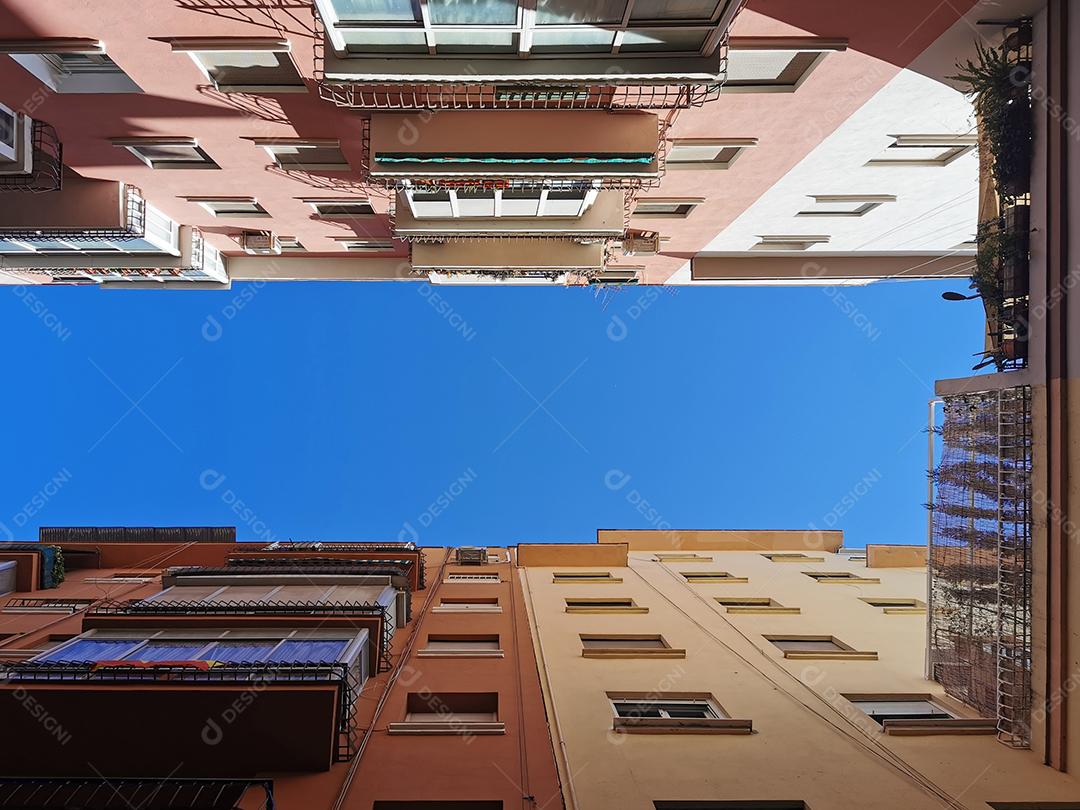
(727, 669)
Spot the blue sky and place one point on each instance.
(456, 415)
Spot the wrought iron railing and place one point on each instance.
(255, 674)
(527, 93)
(135, 794)
(47, 170)
(137, 534)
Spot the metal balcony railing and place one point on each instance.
(141, 794)
(550, 92)
(137, 534)
(47, 170)
(252, 673)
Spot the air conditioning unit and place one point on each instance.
(260, 243)
(472, 555)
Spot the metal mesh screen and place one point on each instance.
(980, 558)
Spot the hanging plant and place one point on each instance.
(1001, 92)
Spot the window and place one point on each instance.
(91, 649)
(845, 205)
(462, 576)
(672, 709)
(890, 605)
(668, 713)
(753, 604)
(163, 649)
(628, 646)
(499, 203)
(769, 71)
(900, 708)
(613, 605)
(567, 577)
(167, 153)
(711, 576)
(473, 604)
(343, 207)
(818, 647)
(450, 713)
(244, 66)
(520, 28)
(706, 153)
(666, 207)
(789, 241)
(462, 645)
(290, 244)
(840, 577)
(230, 206)
(925, 150)
(665, 557)
(305, 155)
(355, 245)
(792, 557)
(71, 66)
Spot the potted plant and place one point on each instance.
(1001, 91)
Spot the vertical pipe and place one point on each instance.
(931, 408)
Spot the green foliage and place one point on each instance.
(1001, 92)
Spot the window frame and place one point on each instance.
(270, 144)
(584, 578)
(740, 145)
(680, 203)
(208, 203)
(317, 203)
(133, 145)
(589, 604)
(226, 45)
(754, 604)
(661, 649)
(841, 650)
(953, 147)
(469, 646)
(717, 720)
(41, 58)
(706, 577)
(522, 29)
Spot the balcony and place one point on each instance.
(515, 149)
(146, 264)
(292, 717)
(519, 260)
(442, 215)
(143, 794)
(536, 56)
(31, 156)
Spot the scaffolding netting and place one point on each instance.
(980, 558)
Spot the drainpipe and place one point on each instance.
(931, 407)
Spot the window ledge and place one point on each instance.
(585, 581)
(607, 610)
(849, 581)
(629, 652)
(797, 559)
(953, 725)
(667, 725)
(921, 611)
(460, 654)
(822, 655)
(262, 88)
(747, 609)
(718, 580)
(446, 727)
(466, 610)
